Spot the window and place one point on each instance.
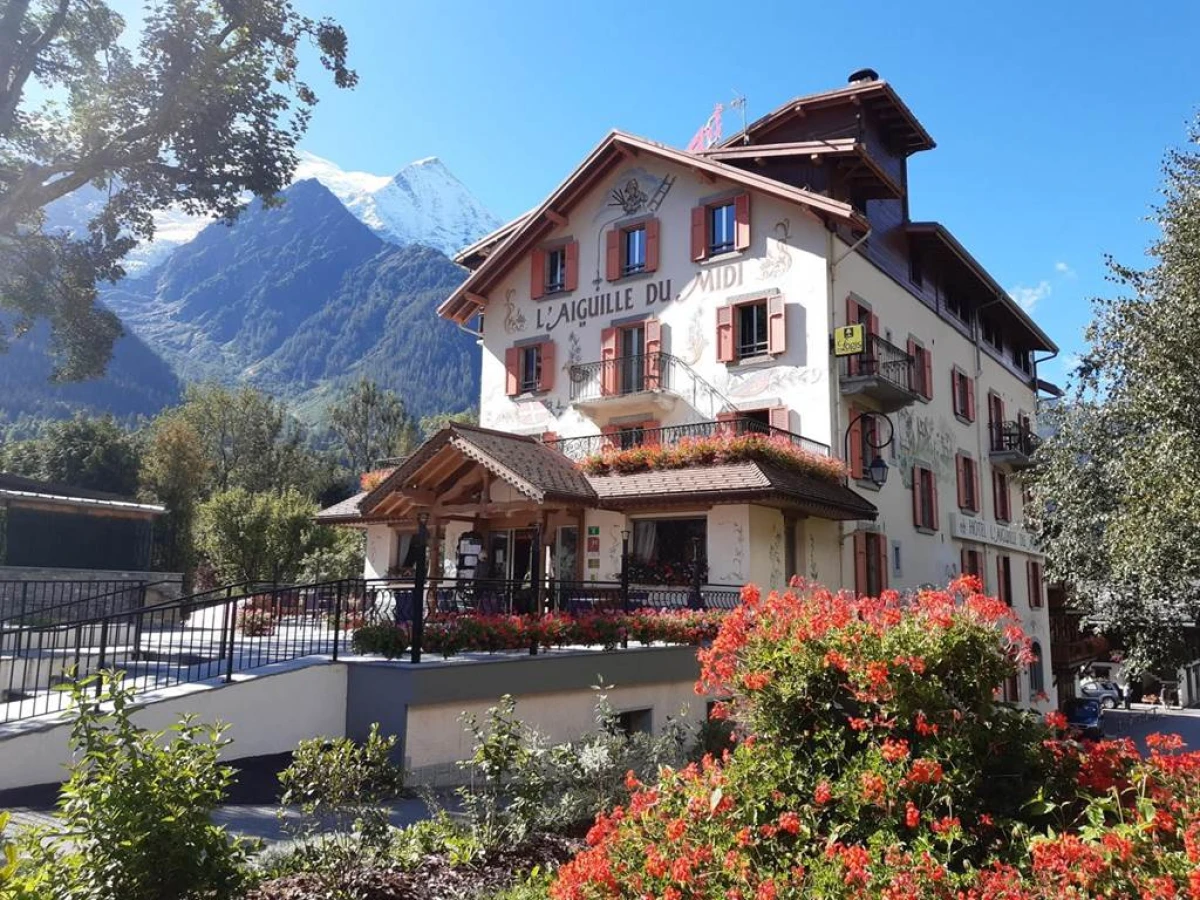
(996, 420)
(1011, 692)
(634, 721)
(664, 551)
(922, 368)
(916, 273)
(630, 436)
(556, 270)
(1035, 584)
(896, 558)
(958, 309)
(632, 360)
(925, 512)
(722, 228)
(972, 562)
(633, 253)
(529, 368)
(968, 483)
(1037, 677)
(963, 389)
(870, 563)
(991, 333)
(1004, 578)
(1000, 496)
(752, 329)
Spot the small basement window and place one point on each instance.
(635, 721)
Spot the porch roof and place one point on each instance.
(345, 511)
(746, 481)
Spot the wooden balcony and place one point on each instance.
(883, 373)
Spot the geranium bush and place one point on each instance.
(874, 761)
(716, 449)
(466, 633)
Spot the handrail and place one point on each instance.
(128, 586)
(625, 375)
(580, 448)
(1013, 437)
(880, 359)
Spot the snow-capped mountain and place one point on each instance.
(423, 204)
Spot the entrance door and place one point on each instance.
(523, 549)
(633, 370)
(499, 557)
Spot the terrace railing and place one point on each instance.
(579, 448)
(51, 600)
(626, 375)
(239, 628)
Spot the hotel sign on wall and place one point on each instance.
(849, 340)
(968, 528)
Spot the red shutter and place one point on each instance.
(652, 245)
(911, 347)
(610, 433)
(572, 279)
(725, 334)
(960, 470)
(776, 324)
(608, 361)
(856, 448)
(927, 373)
(1000, 579)
(882, 551)
(537, 274)
(653, 351)
(978, 499)
(512, 371)
(852, 362)
(933, 491)
(964, 562)
(970, 399)
(1029, 581)
(546, 375)
(996, 495)
(916, 496)
(873, 325)
(954, 395)
(741, 218)
(1036, 596)
(780, 417)
(699, 232)
(612, 255)
(860, 563)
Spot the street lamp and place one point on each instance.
(877, 471)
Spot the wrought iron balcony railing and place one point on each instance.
(624, 376)
(881, 360)
(579, 448)
(1014, 438)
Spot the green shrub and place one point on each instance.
(388, 640)
(134, 817)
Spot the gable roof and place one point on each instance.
(876, 95)
(523, 462)
(470, 296)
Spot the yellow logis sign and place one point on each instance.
(849, 340)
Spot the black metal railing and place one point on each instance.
(883, 360)
(1012, 437)
(626, 375)
(579, 448)
(243, 627)
(50, 600)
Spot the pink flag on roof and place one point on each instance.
(709, 133)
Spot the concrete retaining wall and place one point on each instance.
(25, 590)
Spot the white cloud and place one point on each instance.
(1064, 269)
(1029, 297)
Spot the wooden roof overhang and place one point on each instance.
(615, 150)
(850, 156)
(451, 476)
(878, 97)
(938, 244)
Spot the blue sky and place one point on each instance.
(1051, 118)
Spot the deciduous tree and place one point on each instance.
(206, 106)
(371, 424)
(83, 452)
(259, 537)
(1119, 480)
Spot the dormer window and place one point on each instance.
(956, 308)
(1023, 360)
(721, 226)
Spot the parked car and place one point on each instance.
(1107, 692)
(1083, 717)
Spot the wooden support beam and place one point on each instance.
(557, 218)
(478, 299)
